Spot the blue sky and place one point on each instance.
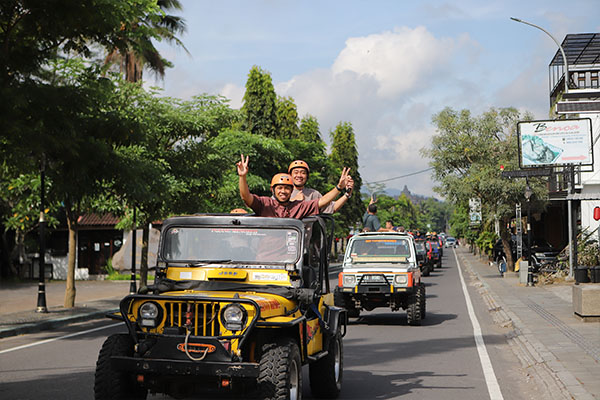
(384, 66)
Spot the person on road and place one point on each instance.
(280, 204)
(370, 220)
(299, 171)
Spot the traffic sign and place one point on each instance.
(525, 173)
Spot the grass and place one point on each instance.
(114, 275)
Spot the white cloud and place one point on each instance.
(399, 60)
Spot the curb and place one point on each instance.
(534, 357)
(52, 323)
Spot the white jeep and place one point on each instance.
(380, 269)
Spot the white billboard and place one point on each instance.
(555, 142)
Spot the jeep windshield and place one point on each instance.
(380, 250)
(226, 245)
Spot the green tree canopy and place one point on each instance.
(260, 104)
(344, 154)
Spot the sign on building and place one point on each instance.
(475, 211)
(555, 143)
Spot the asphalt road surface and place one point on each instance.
(384, 358)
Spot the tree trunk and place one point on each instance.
(70, 290)
(144, 256)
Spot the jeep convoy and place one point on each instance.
(239, 304)
(380, 269)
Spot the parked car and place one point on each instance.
(543, 253)
(380, 270)
(240, 303)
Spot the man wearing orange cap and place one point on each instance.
(300, 171)
(280, 204)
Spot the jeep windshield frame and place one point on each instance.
(380, 249)
(197, 241)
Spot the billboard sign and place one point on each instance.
(475, 211)
(555, 143)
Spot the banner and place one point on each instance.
(555, 143)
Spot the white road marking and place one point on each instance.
(488, 370)
(58, 338)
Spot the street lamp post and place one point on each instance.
(132, 285)
(41, 301)
(559, 46)
(569, 206)
(528, 193)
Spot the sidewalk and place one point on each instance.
(19, 302)
(553, 345)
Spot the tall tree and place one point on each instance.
(260, 104)
(309, 129)
(466, 155)
(344, 154)
(287, 119)
(141, 53)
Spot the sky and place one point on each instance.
(385, 66)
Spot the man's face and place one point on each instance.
(282, 193)
(299, 177)
(388, 225)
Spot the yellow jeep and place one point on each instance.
(240, 303)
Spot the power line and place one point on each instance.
(403, 176)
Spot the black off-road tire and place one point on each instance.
(109, 383)
(413, 312)
(426, 270)
(327, 373)
(422, 300)
(280, 374)
(340, 300)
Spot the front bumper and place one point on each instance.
(164, 367)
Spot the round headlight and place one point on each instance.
(234, 317)
(400, 279)
(149, 314)
(149, 310)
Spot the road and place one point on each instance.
(384, 358)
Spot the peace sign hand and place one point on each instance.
(242, 166)
(344, 178)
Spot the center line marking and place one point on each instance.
(488, 370)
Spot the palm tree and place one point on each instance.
(133, 55)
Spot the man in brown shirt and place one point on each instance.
(280, 204)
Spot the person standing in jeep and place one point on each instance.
(299, 171)
(370, 219)
(280, 204)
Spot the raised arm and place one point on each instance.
(342, 200)
(242, 170)
(332, 194)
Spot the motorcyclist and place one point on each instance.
(300, 172)
(280, 204)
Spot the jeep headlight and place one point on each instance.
(234, 317)
(349, 280)
(148, 314)
(400, 279)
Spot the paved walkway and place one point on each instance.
(553, 345)
(19, 302)
(559, 350)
